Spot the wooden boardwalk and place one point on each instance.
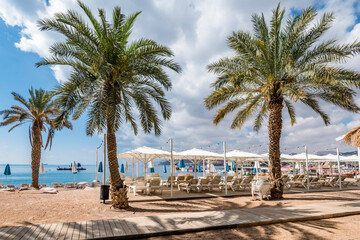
(130, 228)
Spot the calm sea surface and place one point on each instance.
(22, 174)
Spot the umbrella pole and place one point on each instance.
(195, 168)
(203, 167)
(358, 174)
(225, 168)
(133, 166)
(104, 175)
(145, 168)
(96, 173)
(339, 170)
(307, 169)
(172, 168)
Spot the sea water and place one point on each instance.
(22, 174)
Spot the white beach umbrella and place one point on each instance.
(241, 155)
(151, 164)
(42, 170)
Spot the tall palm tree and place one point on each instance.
(113, 79)
(277, 65)
(41, 114)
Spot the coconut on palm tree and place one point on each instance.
(41, 114)
(113, 79)
(277, 65)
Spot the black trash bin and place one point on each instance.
(104, 192)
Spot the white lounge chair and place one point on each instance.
(153, 186)
(192, 184)
(139, 185)
(203, 184)
(24, 187)
(216, 183)
(167, 182)
(129, 181)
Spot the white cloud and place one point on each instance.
(196, 31)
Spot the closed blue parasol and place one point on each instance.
(152, 170)
(181, 164)
(199, 168)
(122, 170)
(100, 169)
(7, 170)
(165, 171)
(78, 165)
(233, 166)
(227, 167)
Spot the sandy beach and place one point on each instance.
(34, 207)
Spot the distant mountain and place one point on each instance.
(321, 153)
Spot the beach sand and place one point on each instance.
(34, 207)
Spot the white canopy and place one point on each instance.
(145, 154)
(197, 154)
(240, 155)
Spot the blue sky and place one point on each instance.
(196, 31)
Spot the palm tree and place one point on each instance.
(352, 137)
(39, 111)
(277, 65)
(113, 79)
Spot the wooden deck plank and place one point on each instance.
(101, 228)
(108, 231)
(95, 229)
(82, 230)
(30, 234)
(119, 228)
(56, 231)
(10, 232)
(37, 231)
(50, 231)
(89, 230)
(115, 230)
(22, 233)
(131, 227)
(76, 232)
(125, 227)
(62, 233)
(16, 232)
(70, 230)
(43, 229)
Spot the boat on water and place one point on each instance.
(78, 167)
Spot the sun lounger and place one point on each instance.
(246, 183)
(69, 185)
(167, 182)
(24, 187)
(42, 185)
(139, 185)
(203, 183)
(190, 185)
(216, 183)
(49, 190)
(140, 178)
(156, 175)
(235, 184)
(122, 176)
(153, 186)
(334, 182)
(209, 176)
(314, 183)
(185, 182)
(129, 181)
(11, 187)
(1, 185)
(148, 175)
(180, 179)
(82, 185)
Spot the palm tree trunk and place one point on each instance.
(275, 127)
(112, 157)
(118, 191)
(35, 155)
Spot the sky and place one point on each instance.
(196, 31)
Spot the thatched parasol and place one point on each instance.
(353, 137)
